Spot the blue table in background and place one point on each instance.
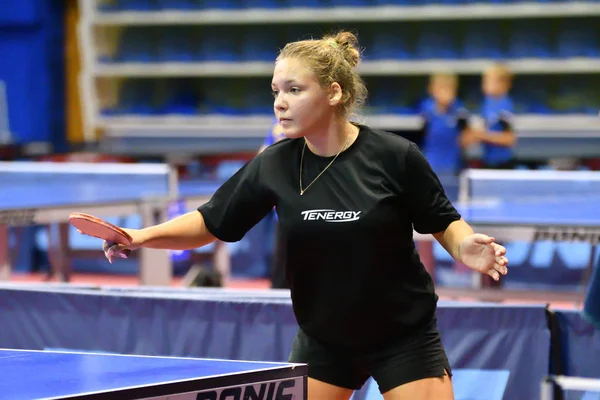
(45, 193)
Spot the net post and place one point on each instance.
(464, 188)
(5, 261)
(549, 389)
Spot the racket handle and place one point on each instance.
(125, 253)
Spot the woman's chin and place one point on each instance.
(292, 133)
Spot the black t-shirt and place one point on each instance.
(355, 276)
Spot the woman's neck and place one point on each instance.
(331, 140)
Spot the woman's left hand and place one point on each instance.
(481, 253)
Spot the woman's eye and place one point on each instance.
(294, 90)
(274, 93)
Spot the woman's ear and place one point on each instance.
(335, 94)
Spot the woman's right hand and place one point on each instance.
(114, 250)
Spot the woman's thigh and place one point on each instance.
(437, 388)
(332, 375)
(413, 368)
(318, 390)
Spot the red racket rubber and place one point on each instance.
(98, 228)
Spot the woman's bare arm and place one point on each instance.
(185, 232)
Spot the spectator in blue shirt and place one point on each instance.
(444, 133)
(445, 124)
(497, 137)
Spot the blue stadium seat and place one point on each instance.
(268, 4)
(394, 2)
(136, 97)
(180, 97)
(221, 108)
(443, 2)
(306, 3)
(532, 96)
(259, 44)
(530, 39)
(389, 45)
(578, 39)
(483, 39)
(109, 6)
(220, 44)
(436, 41)
(221, 4)
(179, 44)
(348, 3)
(134, 5)
(178, 4)
(136, 45)
(257, 100)
(578, 95)
(386, 98)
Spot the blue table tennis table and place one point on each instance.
(45, 193)
(532, 205)
(31, 374)
(525, 205)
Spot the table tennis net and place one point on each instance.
(528, 185)
(151, 179)
(571, 388)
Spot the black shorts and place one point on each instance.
(400, 362)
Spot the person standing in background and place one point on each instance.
(445, 125)
(497, 137)
(444, 132)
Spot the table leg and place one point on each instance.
(155, 265)
(222, 261)
(5, 264)
(63, 254)
(58, 251)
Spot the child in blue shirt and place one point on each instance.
(445, 123)
(445, 133)
(497, 138)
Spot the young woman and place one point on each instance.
(348, 198)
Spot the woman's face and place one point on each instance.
(301, 105)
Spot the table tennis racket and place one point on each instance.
(98, 228)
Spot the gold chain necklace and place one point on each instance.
(325, 169)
